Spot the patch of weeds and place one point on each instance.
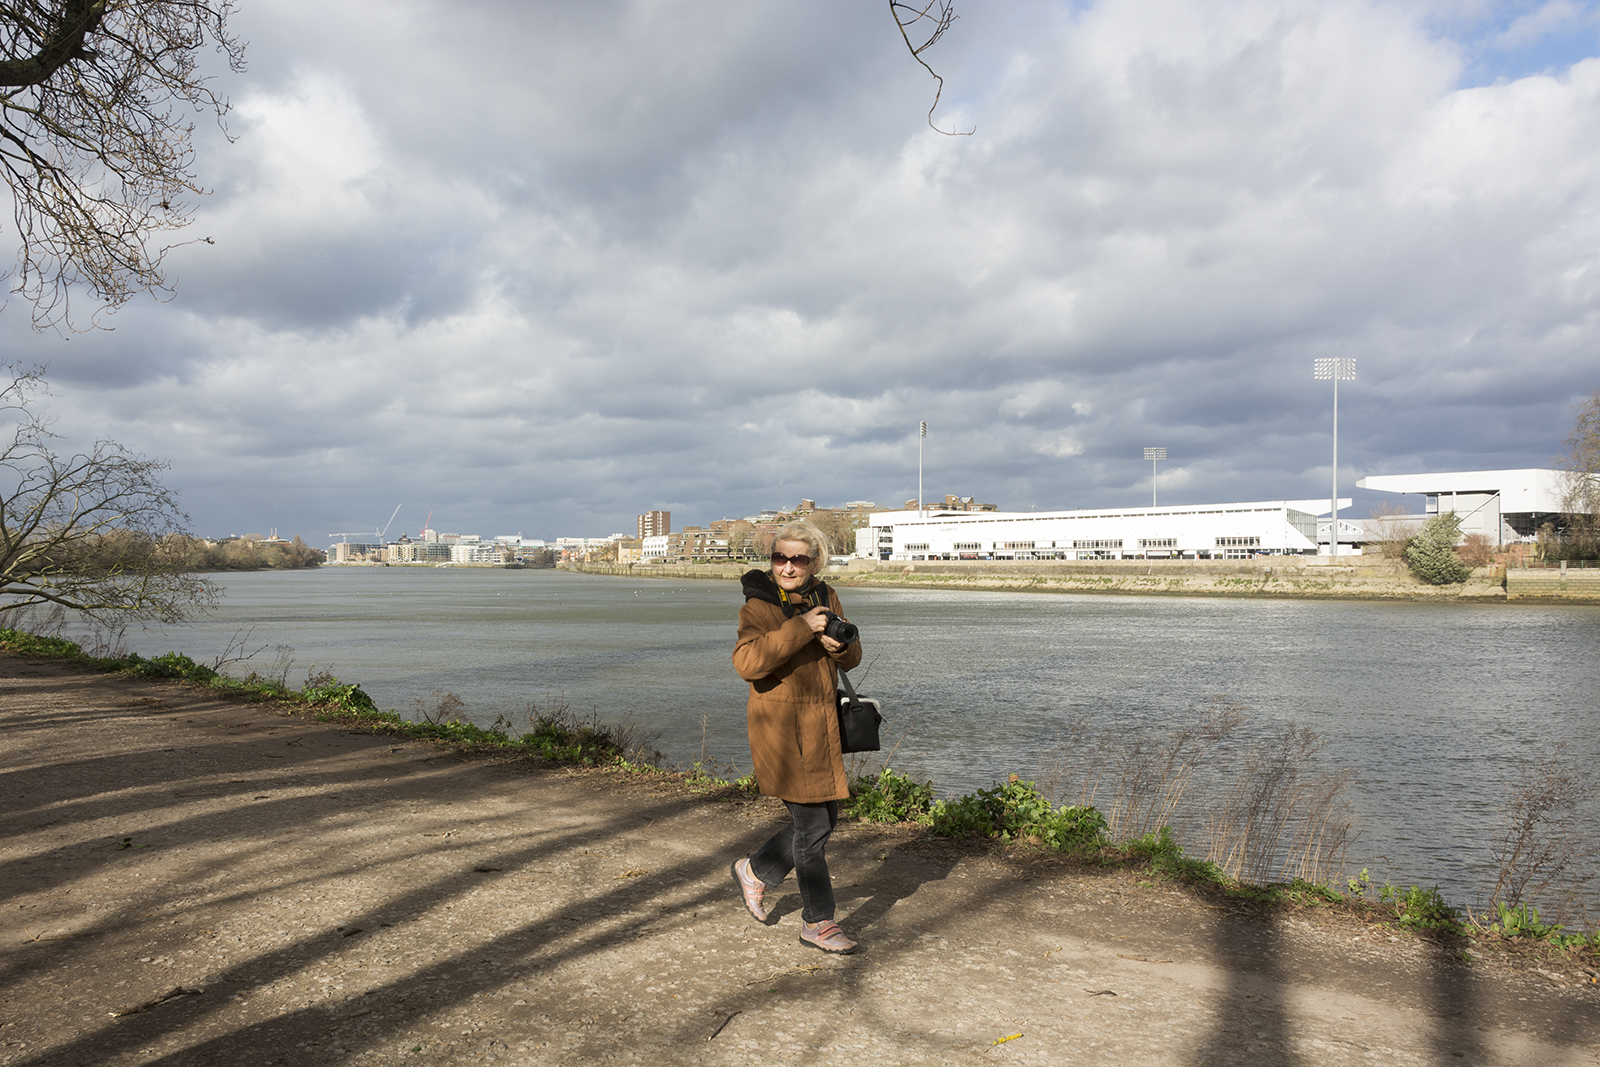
(1523, 921)
(1422, 909)
(1165, 856)
(1016, 810)
(23, 643)
(1312, 893)
(890, 797)
(174, 665)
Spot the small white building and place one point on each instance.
(653, 549)
(480, 552)
(1183, 531)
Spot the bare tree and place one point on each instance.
(95, 139)
(1392, 529)
(1580, 500)
(94, 532)
(930, 20)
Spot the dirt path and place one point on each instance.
(320, 896)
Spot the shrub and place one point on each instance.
(338, 697)
(1432, 553)
(171, 665)
(1476, 550)
(890, 797)
(1016, 809)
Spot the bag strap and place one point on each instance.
(850, 690)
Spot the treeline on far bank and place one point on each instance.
(249, 554)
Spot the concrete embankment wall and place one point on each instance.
(1551, 583)
(1279, 577)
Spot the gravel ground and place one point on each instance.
(189, 880)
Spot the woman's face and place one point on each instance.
(790, 575)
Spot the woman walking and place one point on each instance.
(791, 666)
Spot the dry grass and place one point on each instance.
(1261, 812)
(1545, 851)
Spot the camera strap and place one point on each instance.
(817, 596)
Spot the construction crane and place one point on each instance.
(377, 534)
(425, 525)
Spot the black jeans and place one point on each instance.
(800, 847)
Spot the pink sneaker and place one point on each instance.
(827, 936)
(752, 888)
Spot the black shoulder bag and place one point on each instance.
(858, 719)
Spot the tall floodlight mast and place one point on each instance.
(1153, 454)
(920, 439)
(1337, 368)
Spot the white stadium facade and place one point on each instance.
(1184, 531)
(1505, 506)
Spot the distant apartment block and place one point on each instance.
(653, 523)
(951, 503)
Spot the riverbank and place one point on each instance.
(1282, 578)
(193, 880)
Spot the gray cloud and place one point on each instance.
(543, 267)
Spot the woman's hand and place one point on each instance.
(817, 619)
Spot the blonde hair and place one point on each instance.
(815, 541)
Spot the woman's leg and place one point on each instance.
(810, 827)
(773, 861)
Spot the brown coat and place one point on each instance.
(792, 713)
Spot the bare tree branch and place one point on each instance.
(941, 21)
(94, 532)
(94, 146)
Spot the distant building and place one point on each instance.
(652, 523)
(951, 503)
(1185, 531)
(481, 552)
(1501, 505)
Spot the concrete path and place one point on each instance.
(270, 890)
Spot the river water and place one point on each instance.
(1433, 705)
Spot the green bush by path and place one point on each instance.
(890, 797)
(1014, 810)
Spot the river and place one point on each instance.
(1433, 705)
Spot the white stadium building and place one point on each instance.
(1505, 506)
(1184, 531)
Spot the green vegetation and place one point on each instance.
(1432, 552)
(1014, 810)
(252, 554)
(557, 735)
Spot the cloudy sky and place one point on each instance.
(541, 266)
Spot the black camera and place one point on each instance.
(841, 630)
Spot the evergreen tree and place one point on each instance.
(1432, 553)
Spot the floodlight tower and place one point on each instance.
(920, 439)
(1336, 368)
(1153, 454)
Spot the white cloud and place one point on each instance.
(1061, 447)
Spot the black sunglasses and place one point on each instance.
(779, 559)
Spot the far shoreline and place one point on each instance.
(1266, 578)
